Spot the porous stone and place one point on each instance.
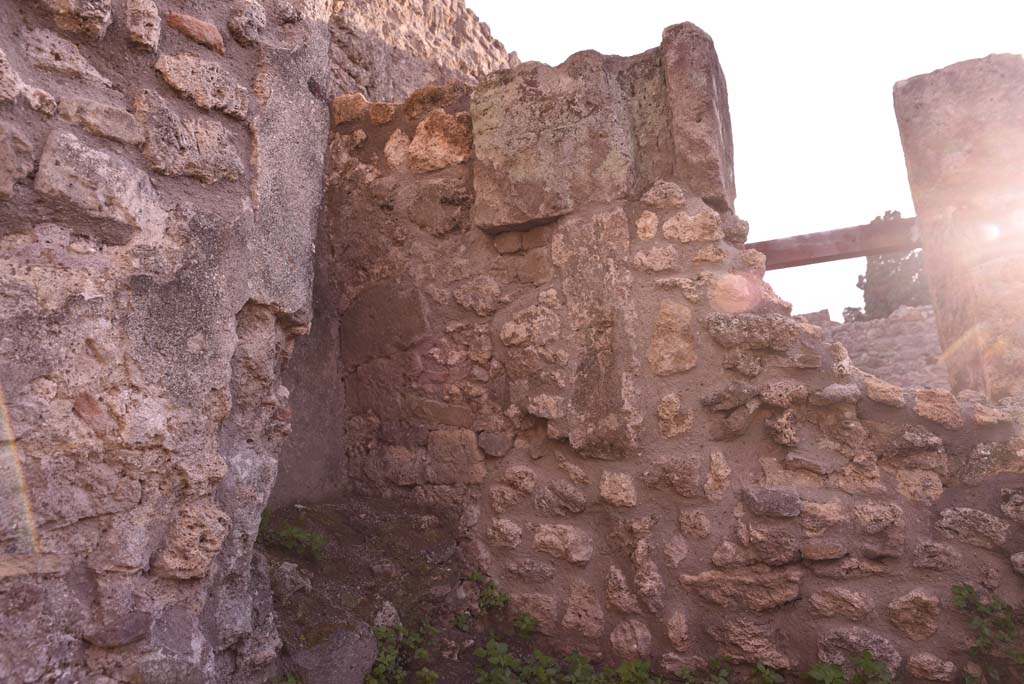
(703, 225)
(177, 146)
(631, 639)
(1012, 504)
(16, 158)
(100, 185)
(1017, 562)
(695, 524)
(541, 607)
(972, 526)
(656, 259)
(753, 331)
(750, 641)
(248, 20)
(875, 518)
(919, 485)
(195, 537)
(759, 588)
(841, 646)
(583, 612)
(521, 143)
(717, 483)
(678, 629)
(46, 50)
(532, 571)
(680, 474)
(774, 503)
(560, 498)
(504, 533)
(939, 406)
(441, 140)
(817, 517)
(564, 542)
(618, 489)
(672, 349)
(350, 107)
(699, 120)
(102, 119)
(90, 18)
(840, 602)
(206, 83)
(915, 614)
(647, 225)
(884, 392)
(664, 194)
(783, 393)
(931, 667)
(673, 418)
(197, 30)
(620, 596)
(931, 555)
(143, 21)
(454, 458)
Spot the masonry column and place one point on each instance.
(963, 139)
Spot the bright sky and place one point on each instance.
(810, 92)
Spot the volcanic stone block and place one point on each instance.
(527, 122)
(963, 139)
(101, 185)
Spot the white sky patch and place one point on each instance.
(810, 93)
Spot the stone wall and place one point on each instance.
(385, 49)
(902, 348)
(159, 191)
(550, 331)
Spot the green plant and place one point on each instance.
(388, 667)
(501, 666)
(826, 673)
(996, 627)
(425, 675)
(286, 678)
(869, 670)
(463, 621)
(766, 675)
(397, 650)
(578, 670)
(631, 672)
(491, 598)
(540, 669)
(294, 539)
(525, 625)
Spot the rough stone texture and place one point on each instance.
(658, 437)
(206, 83)
(902, 348)
(647, 459)
(964, 176)
(386, 49)
(915, 614)
(145, 323)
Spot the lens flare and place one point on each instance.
(990, 232)
(9, 452)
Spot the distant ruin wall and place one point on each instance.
(386, 49)
(550, 330)
(902, 348)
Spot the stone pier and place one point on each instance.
(963, 137)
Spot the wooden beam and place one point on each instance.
(880, 237)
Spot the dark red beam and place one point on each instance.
(879, 237)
